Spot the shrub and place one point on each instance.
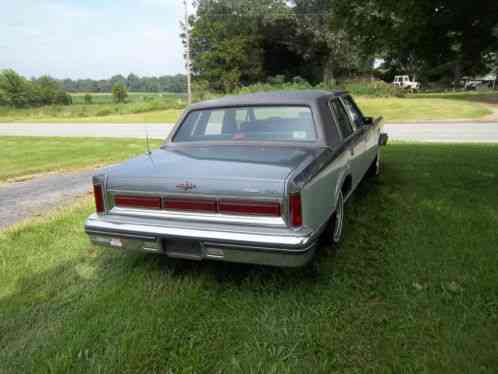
(276, 80)
(63, 98)
(103, 112)
(119, 92)
(376, 88)
(259, 87)
(88, 99)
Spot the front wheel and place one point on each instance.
(336, 223)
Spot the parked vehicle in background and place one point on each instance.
(255, 179)
(404, 81)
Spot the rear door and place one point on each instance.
(352, 136)
(368, 136)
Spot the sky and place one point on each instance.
(91, 38)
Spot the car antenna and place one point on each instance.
(147, 145)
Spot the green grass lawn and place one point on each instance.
(162, 116)
(21, 156)
(414, 109)
(137, 109)
(413, 289)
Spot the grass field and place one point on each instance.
(413, 289)
(139, 108)
(22, 156)
(421, 109)
(160, 116)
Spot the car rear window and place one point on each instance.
(258, 123)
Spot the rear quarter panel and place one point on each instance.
(319, 195)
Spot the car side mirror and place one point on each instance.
(368, 120)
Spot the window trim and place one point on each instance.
(355, 126)
(336, 120)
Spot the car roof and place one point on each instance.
(301, 97)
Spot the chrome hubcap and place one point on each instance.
(339, 216)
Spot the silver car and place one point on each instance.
(252, 179)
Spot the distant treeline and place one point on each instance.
(167, 83)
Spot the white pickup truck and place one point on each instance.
(404, 81)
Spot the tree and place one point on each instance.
(235, 42)
(14, 89)
(88, 99)
(429, 36)
(46, 91)
(119, 92)
(225, 49)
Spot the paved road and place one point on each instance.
(90, 130)
(424, 132)
(21, 200)
(458, 132)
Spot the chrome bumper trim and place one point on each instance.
(274, 250)
(97, 225)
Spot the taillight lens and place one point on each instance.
(295, 210)
(99, 198)
(249, 207)
(191, 205)
(138, 202)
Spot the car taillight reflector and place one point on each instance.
(194, 205)
(138, 202)
(99, 198)
(249, 207)
(296, 210)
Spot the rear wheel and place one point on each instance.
(336, 223)
(375, 169)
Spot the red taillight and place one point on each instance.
(138, 202)
(295, 210)
(99, 198)
(195, 205)
(249, 207)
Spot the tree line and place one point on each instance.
(240, 42)
(134, 83)
(19, 92)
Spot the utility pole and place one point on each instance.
(188, 62)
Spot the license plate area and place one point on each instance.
(183, 248)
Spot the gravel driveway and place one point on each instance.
(21, 200)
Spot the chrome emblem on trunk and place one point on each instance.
(187, 186)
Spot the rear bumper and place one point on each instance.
(264, 249)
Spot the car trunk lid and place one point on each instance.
(247, 171)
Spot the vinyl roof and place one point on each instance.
(303, 97)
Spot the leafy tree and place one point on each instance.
(119, 92)
(225, 49)
(46, 91)
(424, 36)
(14, 89)
(235, 42)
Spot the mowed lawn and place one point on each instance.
(151, 116)
(413, 109)
(413, 289)
(23, 156)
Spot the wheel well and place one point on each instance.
(347, 185)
